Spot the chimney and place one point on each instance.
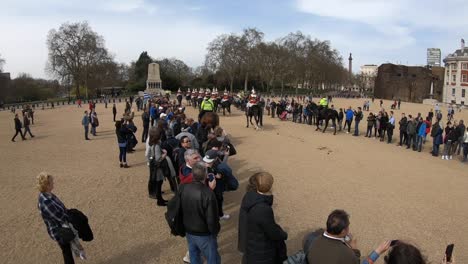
(462, 43)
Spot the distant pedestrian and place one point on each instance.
(121, 132)
(449, 138)
(357, 120)
(26, 124)
(18, 127)
(114, 111)
(85, 122)
(370, 124)
(465, 146)
(94, 122)
(403, 129)
(349, 119)
(146, 122)
(390, 127)
(399, 103)
(436, 133)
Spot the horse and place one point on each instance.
(179, 99)
(208, 122)
(326, 114)
(226, 104)
(253, 111)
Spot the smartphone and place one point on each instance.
(394, 242)
(211, 177)
(448, 252)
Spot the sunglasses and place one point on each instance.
(188, 141)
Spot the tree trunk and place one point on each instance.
(246, 81)
(282, 87)
(231, 84)
(77, 90)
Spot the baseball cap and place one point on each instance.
(163, 115)
(210, 156)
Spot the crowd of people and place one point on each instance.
(193, 157)
(413, 130)
(28, 120)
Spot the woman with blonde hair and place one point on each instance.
(54, 214)
(261, 239)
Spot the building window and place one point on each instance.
(462, 102)
(465, 66)
(453, 91)
(464, 78)
(454, 78)
(454, 66)
(463, 93)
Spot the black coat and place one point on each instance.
(260, 237)
(80, 223)
(18, 124)
(199, 210)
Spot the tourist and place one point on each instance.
(399, 103)
(411, 131)
(430, 115)
(436, 133)
(465, 145)
(403, 129)
(153, 113)
(460, 129)
(349, 119)
(146, 122)
(179, 153)
(357, 120)
(191, 157)
(428, 128)
(390, 127)
(185, 133)
(340, 119)
(264, 240)
(450, 137)
(211, 161)
(55, 217)
(421, 134)
(26, 124)
(201, 221)
(370, 124)
(337, 246)
(85, 122)
(242, 230)
(381, 103)
(383, 125)
(404, 253)
(122, 131)
(155, 156)
(18, 130)
(114, 111)
(94, 122)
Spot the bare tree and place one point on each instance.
(75, 51)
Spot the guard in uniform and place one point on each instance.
(179, 97)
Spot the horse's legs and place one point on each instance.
(326, 125)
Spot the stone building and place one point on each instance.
(410, 84)
(456, 76)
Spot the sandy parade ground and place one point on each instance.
(390, 192)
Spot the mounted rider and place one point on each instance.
(253, 99)
(188, 96)
(225, 96)
(323, 103)
(207, 105)
(179, 96)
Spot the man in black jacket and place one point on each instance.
(18, 128)
(146, 122)
(403, 129)
(201, 220)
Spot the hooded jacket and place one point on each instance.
(259, 234)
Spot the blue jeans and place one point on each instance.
(356, 127)
(203, 245)
(420, 140)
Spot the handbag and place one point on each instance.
(232, 150)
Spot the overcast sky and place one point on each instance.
(375, 31)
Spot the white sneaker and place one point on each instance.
(347, 132)
(443, 157)
(186, 258)
(82, 255)
(225, 217)
(450, 157)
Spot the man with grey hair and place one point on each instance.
(191, 157)
(201, 220)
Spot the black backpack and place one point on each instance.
(174, 215)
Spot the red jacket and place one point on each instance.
(185, 174)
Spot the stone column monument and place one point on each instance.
(153, 83)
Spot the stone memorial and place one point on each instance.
(153, 83)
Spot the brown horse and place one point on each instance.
(209, 120)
